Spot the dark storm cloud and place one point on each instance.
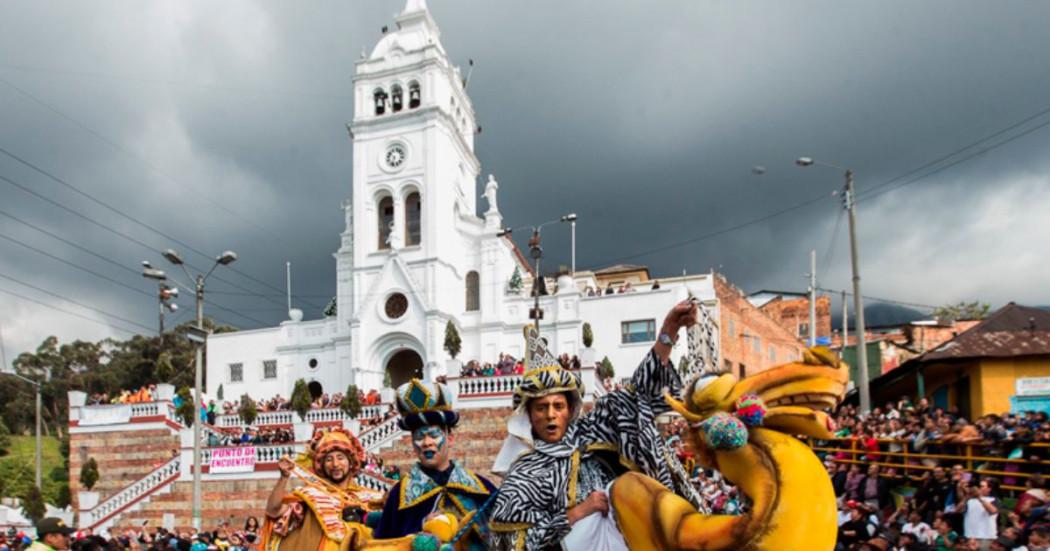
(223, 125)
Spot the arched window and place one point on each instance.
(473, 292)
(414, 96)
(413, 212)
(386, 220)
(379, 98)
(396, 98)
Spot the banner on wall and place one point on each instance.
(1033, 386)
(232, 460)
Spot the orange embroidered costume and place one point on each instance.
(320, 515)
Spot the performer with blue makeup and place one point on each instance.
(435, 484)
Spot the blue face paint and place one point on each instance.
(434, 433)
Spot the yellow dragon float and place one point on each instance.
(792, 501)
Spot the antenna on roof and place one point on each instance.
(470, 71)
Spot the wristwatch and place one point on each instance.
(666, 339)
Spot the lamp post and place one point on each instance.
(224, 259)
(165, 293)
(858, 301)
(571, 219)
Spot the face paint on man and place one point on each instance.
(431, 446)
(337, 466)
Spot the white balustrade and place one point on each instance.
(374, 482)
(326, 415)
(148, 409)
(130, 494)
(468, 387)
(374, 438)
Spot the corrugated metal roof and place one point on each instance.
(1013, 330)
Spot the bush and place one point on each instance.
(588, 335)
(64, 498)
(247, 410)
(351, 404)
(605, 369)
(89, 473)
(453, 344)
(219, 393)
(5, 439)
(186, 410)
(33, 504)
(301, 399)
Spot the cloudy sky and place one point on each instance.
(221, 125)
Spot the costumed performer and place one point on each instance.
(435, 484)
(560, 463)
(326, 512)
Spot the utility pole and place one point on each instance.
(198, 382)
(536, 252)
(858, 300)
(812, 298)
(845, 322)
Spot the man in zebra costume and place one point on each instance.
(559, 462)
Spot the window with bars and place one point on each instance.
(269, 369)
(236, 373)
(637, 331)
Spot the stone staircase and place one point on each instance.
(476, 441)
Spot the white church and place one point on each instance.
(415, 255)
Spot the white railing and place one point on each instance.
(378, 435)
(119, 414)
(374, 481)
(263, 454)
(130, 494)
(285, 417)
(468, 387)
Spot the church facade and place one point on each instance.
(415, 256)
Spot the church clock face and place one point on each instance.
(395, 156)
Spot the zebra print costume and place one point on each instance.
(542, 484)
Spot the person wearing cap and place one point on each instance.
(435, 483)
(327, 509)
(559, 463)
(51, 534)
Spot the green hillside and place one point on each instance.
(17, 468)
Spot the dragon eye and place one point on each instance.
(704, 381)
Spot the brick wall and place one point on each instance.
(122, 457)
(751, 340)
(793, 315)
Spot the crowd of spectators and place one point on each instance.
(224, 537)
(508, 365)
(719, 496)
(249, 436)
(140, 395)
(897, 488)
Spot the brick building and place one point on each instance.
(791, 310)
(752, 340)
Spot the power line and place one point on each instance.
(114, 231)
(93, 320)
(1017, 124)
(115, 145)
(831, 243)
(67, 299)
(884, 300)
(114, 281)
(115, 210)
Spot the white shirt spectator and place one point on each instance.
(921, 530)
(978, 522)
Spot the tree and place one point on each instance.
(588, 335)
(515, 283)
(301, 400)
(33, 504)
(453, 344)
(89, 473)
(332, 309)
(247, 410)
(64, 498)
(605, 369)
(219, 393)
(351, 403)
(962, 311)
(184, 407)
(5, 439)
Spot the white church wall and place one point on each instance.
(250, 349)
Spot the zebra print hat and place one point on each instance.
(545, 376)
(421, 404)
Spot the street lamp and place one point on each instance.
(858, 300)
(166, 294)
(224, 259)
(571, 219)
(8, 370)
